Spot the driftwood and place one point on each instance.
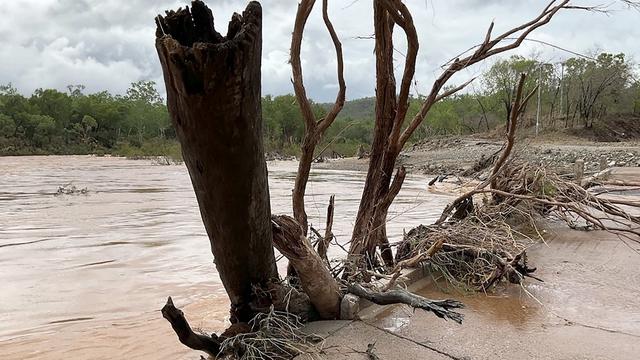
(517, 108)
(412, 262)
(484, 243)
(621, 183)
(314, 275)
(596, 179)
(461, 206)
(441, 308)
(209, 344)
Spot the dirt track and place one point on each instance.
(456, 154)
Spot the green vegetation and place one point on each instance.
(53, 122)
(580, 92)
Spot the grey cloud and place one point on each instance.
(107, 44)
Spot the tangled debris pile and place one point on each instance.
(70, 189)
(482, 236)
(485, 232)
(165, 160)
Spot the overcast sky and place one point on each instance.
(107, 44)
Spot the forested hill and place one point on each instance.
(579, 93)
(355, 109)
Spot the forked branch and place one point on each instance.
(516, 109)
(314, 128)
(489, 47)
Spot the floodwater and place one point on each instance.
(588, 307)
(83, 276)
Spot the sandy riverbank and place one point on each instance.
(586, 308)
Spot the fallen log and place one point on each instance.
(315, 278)
(621, 183)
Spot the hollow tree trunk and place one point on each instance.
(214, 99)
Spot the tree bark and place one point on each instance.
(370, 220)
(214, 99)
(315, 277)
(368, 227)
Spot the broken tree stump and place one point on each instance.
(315, 277)
(214, 99)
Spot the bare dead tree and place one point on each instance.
(392, 131)
(213, 96)
(314, 128)
(219, 128)
(517, 108)
(213, 87)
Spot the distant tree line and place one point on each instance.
(72, 122)
(579, 92)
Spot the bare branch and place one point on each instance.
(454, 90)
(209, 344)
(339, 103)
(313, 129)
(394, 188)
(487, 37)
(516, 109)
(323, 243)
(402, 16)
(485, 50)
(441, 308)
(304, 10)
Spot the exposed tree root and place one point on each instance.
(274, 335)
(271, 334)
(441, 308)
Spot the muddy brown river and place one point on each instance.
(84, 275)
